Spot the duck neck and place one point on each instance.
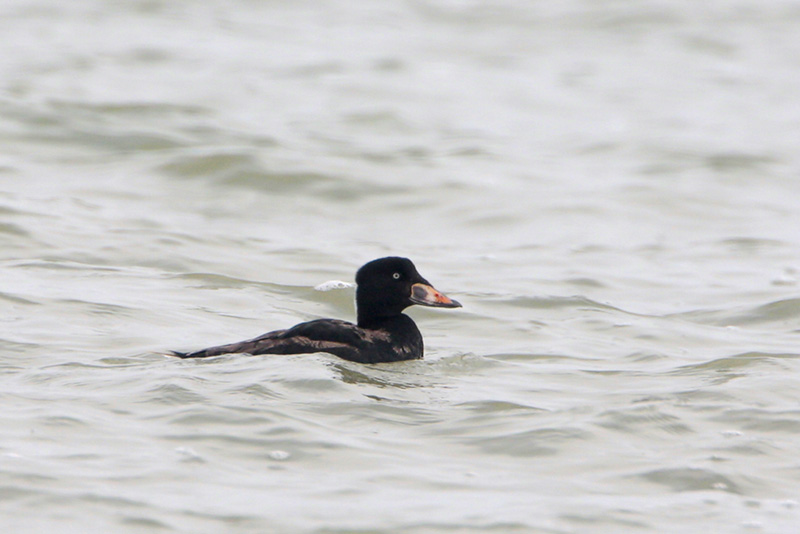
(368, 320)
(382, 322)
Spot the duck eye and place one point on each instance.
(396, 276)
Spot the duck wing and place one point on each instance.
(341, 338)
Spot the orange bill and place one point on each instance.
(426, 295)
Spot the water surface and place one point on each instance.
(610, 188)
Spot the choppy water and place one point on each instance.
(612, 190)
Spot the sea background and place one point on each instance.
(611, 188)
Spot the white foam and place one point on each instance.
(333, 284)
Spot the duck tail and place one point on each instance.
(184, 355)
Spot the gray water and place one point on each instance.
(611, 188)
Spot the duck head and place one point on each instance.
(387, 286)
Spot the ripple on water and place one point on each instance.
(736, 362)
(497, 407)
(175, 394)
(11, 229)
(784, 311)
(530, 443)
(402, 376)
(247, 169)
(103, 127)
(680, 479)
(638, 419)
(259, 391)
(198, 416)
(16, 299)
(762, 420)
(578, 302)
(531, 357)
(380, 414)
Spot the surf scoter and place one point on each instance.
(385, 287)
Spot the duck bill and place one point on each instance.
(426, 295)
